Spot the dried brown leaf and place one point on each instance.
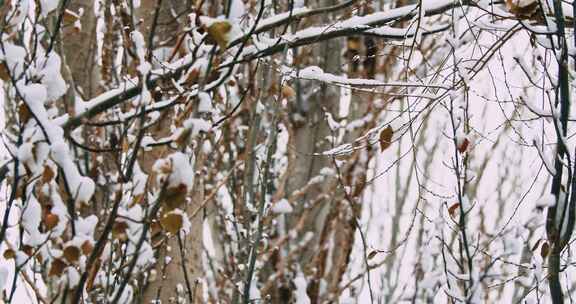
(452, 209)
(51, 220)
(544, 250)
(386, 138)
(57, 267)
(71, 254)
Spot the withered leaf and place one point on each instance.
(175, 197)
(4, 74)
(51, 220)
(288, 91)
(71, 254)
(464, 146)
(47, 174)
(172, 222)
(544, 250)
(9, 254)
(57, 268)
(452, 210)
(28, 250)
(87, 248)
(70, 17)
(24, 113)
(386, 138)
(219, 31)
(119, 230)
(372, 254)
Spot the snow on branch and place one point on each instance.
(353, 26)
(316, 73)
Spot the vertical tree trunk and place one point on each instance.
(179, 259)
(80, 48)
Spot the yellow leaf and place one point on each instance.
(172, 222)
(70, 17)
(219, 31)
(9, 254)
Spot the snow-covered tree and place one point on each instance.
(165, 151)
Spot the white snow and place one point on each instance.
(282, 207)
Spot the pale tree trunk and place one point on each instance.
(79, 50)
(310, 135)
(179, 258)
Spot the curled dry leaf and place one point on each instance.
(452, 210)
(372, 254)
(544, 250)
(70, 17)
(464, 145)
(386, 138)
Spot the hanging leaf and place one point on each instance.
(452, 210)
(57, 268)
(172, 222)
(47, 174)
(386, 138)
(24, 113)
(71, 254)
(175, 197)
(219, 31)
(87, 247)
(28, 250)
(9, 254)
(119, 231)
(287, 91)
(464, 145)
(51, 220)
(353, 43)
(4, 74)
(544, 250)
